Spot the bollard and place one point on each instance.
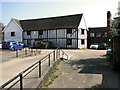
(49, 60)
(21, 85)
(54, 55)
(31, 51)
(16, 53)
(25, 51)
(39, 69)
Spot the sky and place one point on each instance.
(94, 11)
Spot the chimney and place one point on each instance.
(108, 19)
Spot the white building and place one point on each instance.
(63, 31)
(13, 31)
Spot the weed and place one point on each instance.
(103, 55)
(49, 83)
(83, 48)
(53, 76)
(30, 55)
(60, 60)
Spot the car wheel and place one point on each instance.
(13, 48)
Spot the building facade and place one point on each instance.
(98, 35)
(63, 31)
(13, 31)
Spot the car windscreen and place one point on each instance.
(95, 44)
(14, 43)
(5, 43)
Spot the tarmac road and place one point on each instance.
(86, 69)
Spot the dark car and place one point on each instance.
(103, 46)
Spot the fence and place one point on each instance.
(26, 51)
(56, 54)
(11, 54)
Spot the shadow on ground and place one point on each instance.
(110, 79)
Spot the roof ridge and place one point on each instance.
(51, 17)
(17, 21)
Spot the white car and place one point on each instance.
(94, 45)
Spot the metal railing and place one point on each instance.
(56, 55)
(26, 51)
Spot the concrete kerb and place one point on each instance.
(46, 77)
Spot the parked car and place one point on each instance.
(109, 51)
(94, 46)
(0, 45)
(12, 45)
(103, 46)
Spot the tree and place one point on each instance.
(1, 33)
(114, 31)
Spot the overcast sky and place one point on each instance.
(94, 11)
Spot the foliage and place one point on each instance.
(1, 33)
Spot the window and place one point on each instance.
(28, 32)
(69, 31)
(12, 33)
(41, 32)
(69, 41)
(82, 41)
(98, 34)
(82, 31)
(92, 34)
(118, 26)
(105, 34)
(119, 32)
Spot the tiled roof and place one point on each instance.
(61, 22)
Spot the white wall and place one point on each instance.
(82, 25)
(81, 36)
(13, 27)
